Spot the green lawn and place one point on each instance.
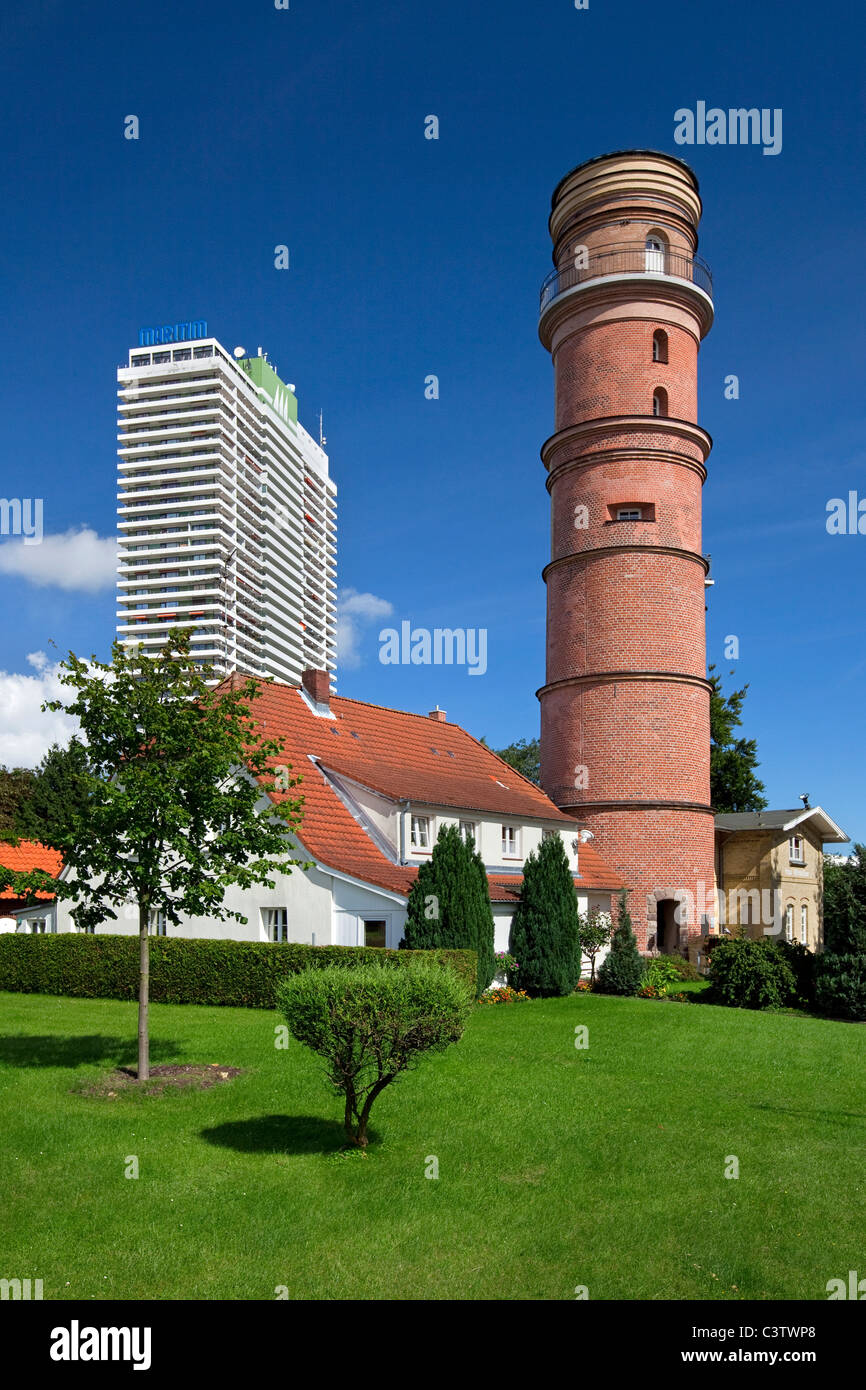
(557, 1167)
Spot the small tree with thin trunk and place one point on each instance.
(594, 931)
(371, 1024)
(174, 780)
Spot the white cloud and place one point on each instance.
(78, 560)
(26, 733)
(354, 612)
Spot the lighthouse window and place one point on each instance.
(629, 514)
(660, 346)
(660, 402)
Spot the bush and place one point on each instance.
(449, 904)
(622, 970)
(802, 964)
(658, 977)
(749, 974)
(543, 934)
(840, 986)
(240, 974)
(683, 969)
(370, 1025)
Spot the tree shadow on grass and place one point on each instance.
(53, 1050)
(294, 1134)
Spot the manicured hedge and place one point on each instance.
(200, 971)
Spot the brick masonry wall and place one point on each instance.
(628, 597)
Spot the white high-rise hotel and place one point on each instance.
(227, 516)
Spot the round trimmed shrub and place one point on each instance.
(370, 1025)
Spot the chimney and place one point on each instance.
(439, 714)
(317, 685)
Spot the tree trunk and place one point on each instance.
(143, 991)
(348, 1119)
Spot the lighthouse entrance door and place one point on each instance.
(668, 928)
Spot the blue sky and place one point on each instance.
(409, 257)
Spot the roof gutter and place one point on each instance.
(405, 807)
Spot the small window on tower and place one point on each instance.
(660, 401)
(660, 346)
(629, 514)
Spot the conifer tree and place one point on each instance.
(544, 931)
(622, 969)
(449, 903)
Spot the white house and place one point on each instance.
(377, 785)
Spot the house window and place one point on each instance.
(511, 841)
(796, 851)
(275, 921)
(467, 831)
(660, 346)
(374, 932)
(789, 922)
(804, 921)
(628, 514)
(420, 832)
(156, 924)
(660, 401)
(38, 926)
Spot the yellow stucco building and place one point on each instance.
(770, 872)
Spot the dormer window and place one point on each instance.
(420, 835)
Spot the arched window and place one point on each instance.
(660, 401)
(804, 922)
(654, 258)
(660, 345)
(789, 922)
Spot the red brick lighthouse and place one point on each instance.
(625, 717)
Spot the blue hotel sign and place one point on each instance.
(172, 333)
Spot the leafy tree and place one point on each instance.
(845, 905)
(371, 1024)
(543, 934)
(622, 970)
(171, 820)
(594, 932)
(449, 903)
(59, 797)
(524, 756)
(16, 786)
(733, 783)
(840, 987)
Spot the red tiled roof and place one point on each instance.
(24, 857)
(405, 757)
